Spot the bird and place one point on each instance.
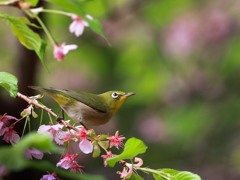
(87, 108)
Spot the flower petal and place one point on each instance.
(86, 146)
(68, 48)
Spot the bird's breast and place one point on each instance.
(80, 112)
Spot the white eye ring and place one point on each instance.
(115, 95)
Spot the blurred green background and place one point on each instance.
(182, 58)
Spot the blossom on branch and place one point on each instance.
(69, 162)
(61, 50)
(116, 140)
(105, 157)
(10, 135)
(55, 132)
(32, 152)
(127, 171)
(78, 25)
(4, 120)
(129, 168)
(49, 176)
(85, 145)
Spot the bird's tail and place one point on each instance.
(56, 94)
(45, 90)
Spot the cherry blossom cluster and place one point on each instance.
(64, 134)
(87, 140)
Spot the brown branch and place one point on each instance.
(35, 103)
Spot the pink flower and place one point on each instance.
(69, 162)
(49, 177)
(29, 153)
(105, 157)
(127, 171)
(10, 136)
(138, 161)
(78, 25)
(85, 145)
(129, 168)
(116, 140)
(4, 120)
(76, 167)
(54, 131)
(61, 50)
(181, 37)
(3, 171)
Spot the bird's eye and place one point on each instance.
(115, 95)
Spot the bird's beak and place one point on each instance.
(129, 94)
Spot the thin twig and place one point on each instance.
(67, 125)
(35, 103)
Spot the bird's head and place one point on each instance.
(115, 99)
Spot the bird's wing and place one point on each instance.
(89, 99)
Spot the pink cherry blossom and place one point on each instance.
(105, 157)
(85, 145)
(138, 161)
(10, 135)
(51, 176)
(78, 25)
(127, 171)
(61, 50)
(129, 168)
(55, 132)
(4, 120)
(69, 162)
(30, 153)
(116, 140)
(76, 167)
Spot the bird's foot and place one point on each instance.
(83, 125)
(60, 118)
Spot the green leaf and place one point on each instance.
(132, 148)
(170, 171)
(9, 82)
(74, 6)
(135, 177)
(32, 2)
(104, 144)
(13, 157)
(185, 175)
(96, 26)
(172, 174)
(96, 151)
(25, 35)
